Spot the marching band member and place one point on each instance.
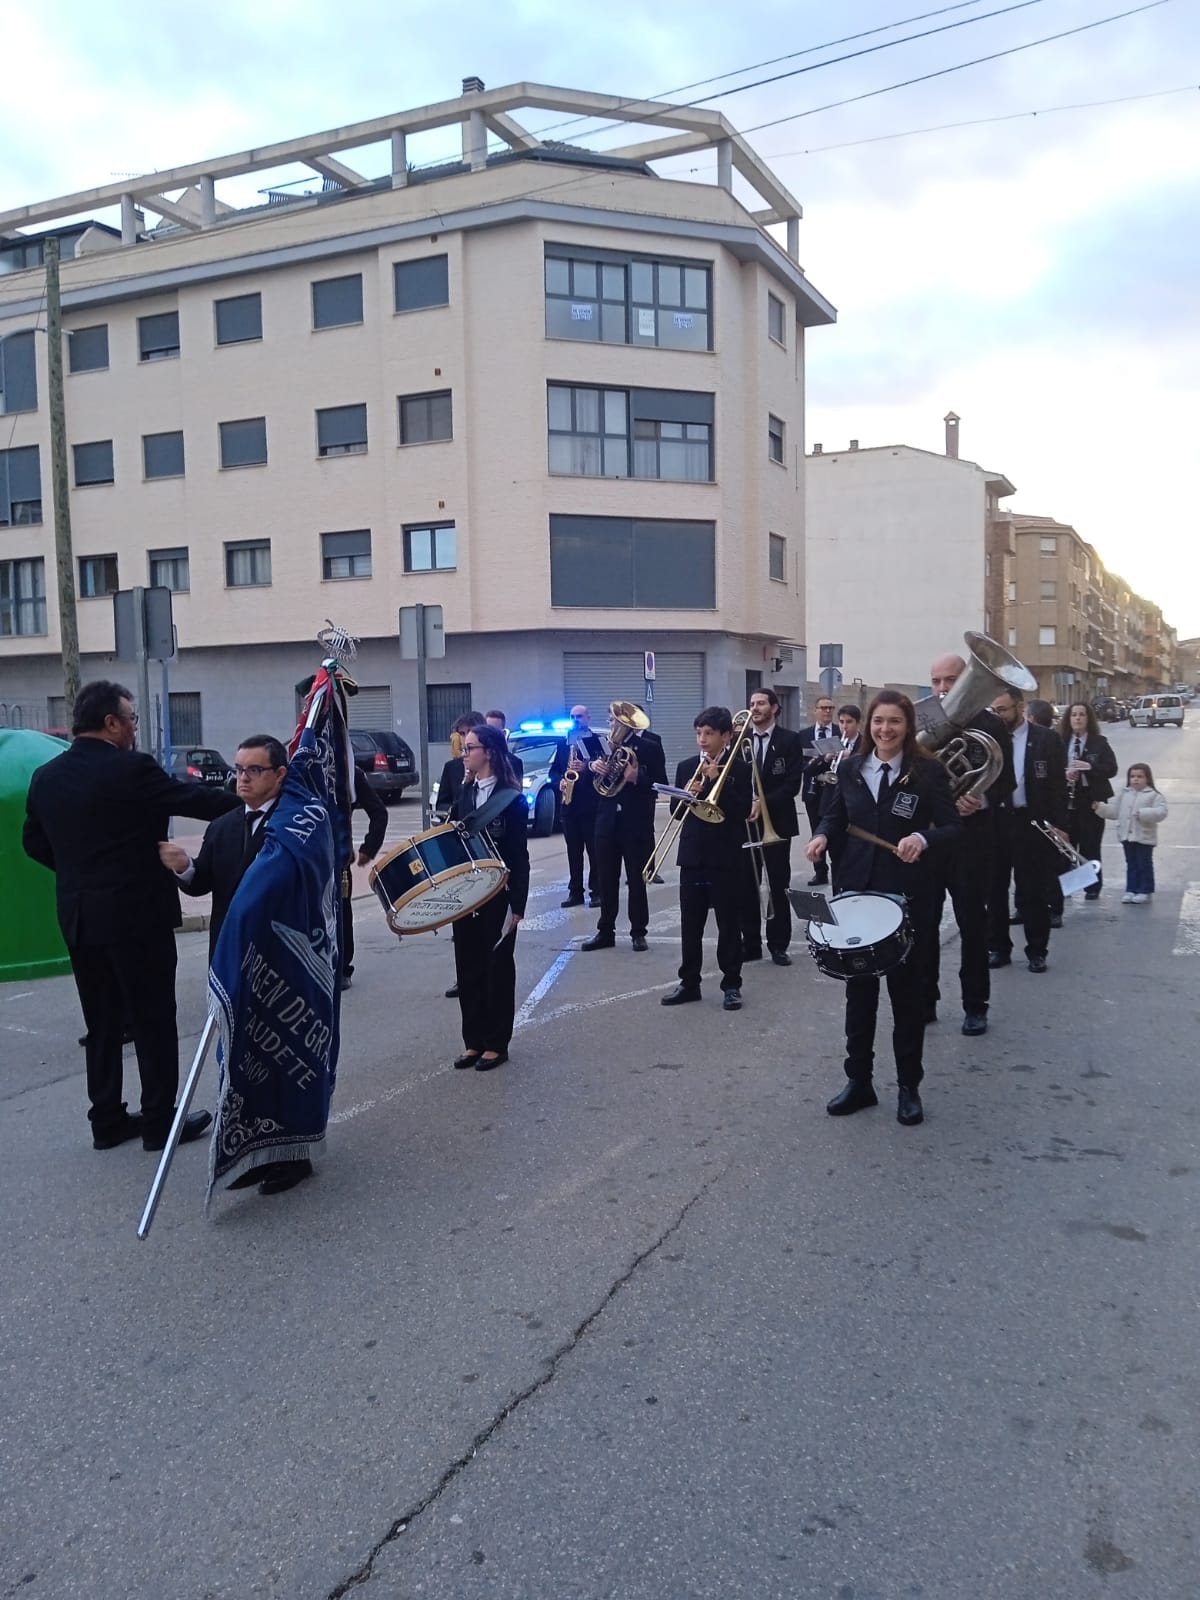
(898, 793)
(485, 942)
(780, 761)
(578, 811)
(625, 837)
(850, 722)
(712, 868)
(819, 742)
(1091, 767)
(451, 781)
(1022, 853)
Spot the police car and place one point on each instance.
(545, 749)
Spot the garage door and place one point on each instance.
(371, 708)
(594, 677)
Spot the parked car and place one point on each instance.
(384, 759)
(545, 757)
(1106, 708)
(1157, 711)
(200, 765)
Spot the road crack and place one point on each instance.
(406, 1519)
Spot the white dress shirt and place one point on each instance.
(1020, 741)
(483, 790)
(872, 771)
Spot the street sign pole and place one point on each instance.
(142, 660)
(422, 634)
(422, 715)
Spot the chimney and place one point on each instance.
(472, 86)
(817, 449)
(854, 444)
(951, 422)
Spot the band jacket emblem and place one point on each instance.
(904, 806)
(1040, 769)
(778, 767)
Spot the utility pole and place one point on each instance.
(68, 621)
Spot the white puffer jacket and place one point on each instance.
(1137, 813)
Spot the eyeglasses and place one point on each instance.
(824, 708)
(251, 772)
(127, 716)
(468, 747)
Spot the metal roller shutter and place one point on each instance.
(678, 695)
(593, 678)
(372, 708)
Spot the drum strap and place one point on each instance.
(499, 800)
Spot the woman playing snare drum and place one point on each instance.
(892, 789)
(485, 942)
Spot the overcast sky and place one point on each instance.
(1037, 275)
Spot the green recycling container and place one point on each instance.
(31, 945)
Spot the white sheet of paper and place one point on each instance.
(510, 923)
(672, 793)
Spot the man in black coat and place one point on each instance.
(365, 799)
(779, 757)
(625, 837)
(94, 816)
(820, 742)
(1022, 852)
(965, 871)
(579, 812)
(712, 863)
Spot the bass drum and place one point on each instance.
(871, 936)
(436, 877)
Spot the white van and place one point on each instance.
(1157, 711)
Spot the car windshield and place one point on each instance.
(391, 742)
(535, 753)
(201, 758)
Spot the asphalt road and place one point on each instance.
(632, 1317)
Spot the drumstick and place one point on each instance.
(871, 838)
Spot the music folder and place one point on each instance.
(811, 906)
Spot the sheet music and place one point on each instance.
(510, 922)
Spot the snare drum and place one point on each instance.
(436, 877)
(871, 936)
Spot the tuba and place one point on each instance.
(627, 720)
(972, 758)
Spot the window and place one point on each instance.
(640, 433)
(777, 557)
(346, 555)
(20, 487)
(1048, 545)
(431, 549)
(419, 284)
(337, 302)
(776, 326)
(1049, 589)
(425, 418)
(238, 319)
(87, 348)
(162, 455)
(158, 336)
(169, 569)
(617, 299)
(1012, 593)
(244, 443)
(18, 373)
(22, 597)
(247, 563)
(93, 463)
(97, 576)
(185, 718)
(1047, 635)
(342, 431)
(622, 562)
(775, 439)
(445, 703)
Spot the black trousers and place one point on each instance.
(1086, 832)
(622, 841)
(965, 874)
(906, 985)
(812, 804)
(701, 891)
(579, 834)
(131, 984)
(776, 860)
(346, 952)
(486, 972)
(1025, 856)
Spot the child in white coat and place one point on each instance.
(1137, 811)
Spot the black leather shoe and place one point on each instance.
(781, 958)
(639, 942)
(1037, 963)
(347, 980)
(858, 1094)
(909, 1109)
(974, 1022)
(452, 992)
(120, 1134)
(679, 996)
(126, 1038)
(997, 958)
(571, 900)
(194, 1124)
(658, 878)
(599, 941)
(819, 879)
(752, 953)
(1056, 919)
(467, 1059)
(732, 1000)
(285, 1175)
(486, 1063)
(1088, 894)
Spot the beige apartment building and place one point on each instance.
(549, 390)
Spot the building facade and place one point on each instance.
(551, 392)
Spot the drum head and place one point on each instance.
(454, 894)
(863, 919)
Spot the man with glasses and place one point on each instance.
(819, 744)
(94, 816)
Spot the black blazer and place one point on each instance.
(584, 798)
(717, 846)
(636, 801)
(1098, 784)
(782, 775)
(919, 802)
(366, 799)
(95, 816)
(221, 865)
(998, 793)
(813, 767)
(1046, 776)
(510, 834)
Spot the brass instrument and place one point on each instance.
(569, 779)
(627, 720)
(707, 809)
(972, 758)
(831, 775)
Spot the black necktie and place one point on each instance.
(253, 818)
(1078, 748)
(761, 740)
(885, 786)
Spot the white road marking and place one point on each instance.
(544, 920)
(389, 1094)
(547, 981)
(576, 1006)
(1187, 940)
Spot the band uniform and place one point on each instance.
(485, 962)
(780, 760)
(624, 839)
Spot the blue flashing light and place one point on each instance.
(530, 799)
(562, 725)
(532, 727)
